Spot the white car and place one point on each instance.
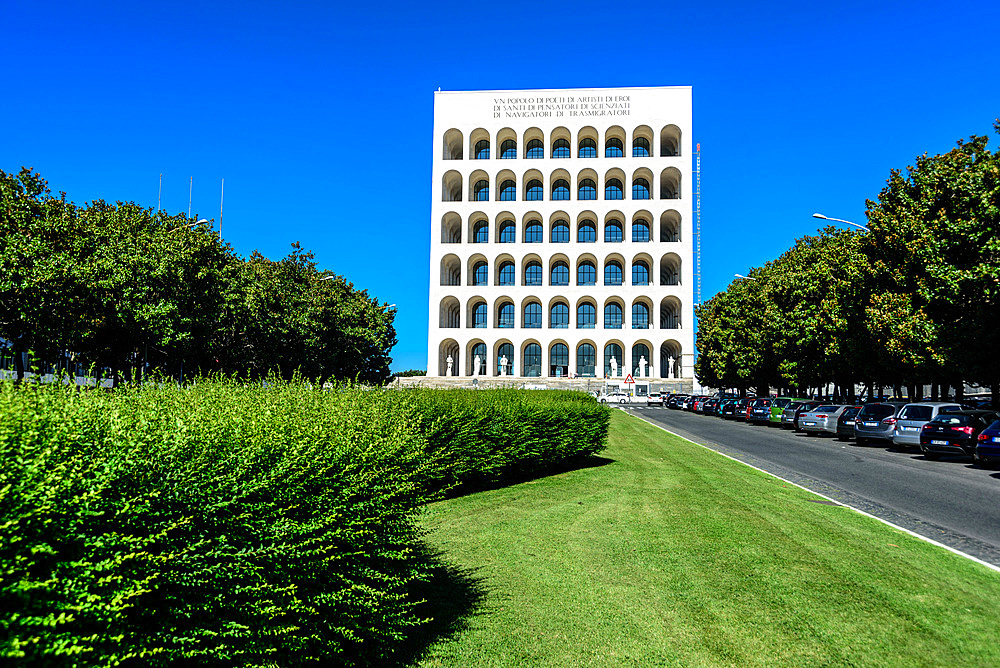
(614, 398)
(911, 419)
(822, 418)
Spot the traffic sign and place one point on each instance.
(628, 380)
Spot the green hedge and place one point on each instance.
(231, 525)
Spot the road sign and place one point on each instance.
(628, 380)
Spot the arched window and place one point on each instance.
(640, 147)
(586, 316)
(480, 274)
(586, 273)
(508, 149)
(533, 316)
(560, 189)
(535, 191)
(613, 350)
(588, 189)
(613, 232)
(559, 360)
(559, 316)
(532, 360)
(481, 191)
(483, 149)
(535, 149)
(506, 350)
(640, 273)
(612, 273)
(613, 148)
(640, 316)
(533, 273)
(508, 232)
(480, 315)
(506, 275)
(586, 360)
(639, 351)
(533, 232)
(587, 234)
(560, 274)
(560, 232)
(640, 230)
(588, 148)
(613, 189)
(612, 316)
(640, 189)
(560, 148)
(508, 191)
(478, 349)
(505, 318)
(481, 233)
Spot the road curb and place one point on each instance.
(987, 564)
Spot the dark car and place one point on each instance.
(676, 401)
(803, 407)
(954, 433)
(987, 452)
(876, 422)
(741, 408)
(760, 411)
(845, 423)
(711, 407)
(727, 409)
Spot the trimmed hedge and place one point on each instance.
(251, 526)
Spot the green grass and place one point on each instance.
(664, 553)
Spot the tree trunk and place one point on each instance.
(995, 394)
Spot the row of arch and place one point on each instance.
(560, 186)
(561, 359)
(616, 143)
(477, 229)
(560, 270)
(559, 313)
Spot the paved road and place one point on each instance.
(948, 500)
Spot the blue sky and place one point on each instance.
(300, 106)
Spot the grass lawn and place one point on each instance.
(665, 553)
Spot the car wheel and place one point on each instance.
(621, 401)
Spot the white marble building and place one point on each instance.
(561, 233)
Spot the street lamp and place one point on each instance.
(745, 278)
(181, 227)
(840, 220)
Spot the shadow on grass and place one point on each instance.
(510, 478)
(451, 595)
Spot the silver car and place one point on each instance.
(913, 417)
(822, 418)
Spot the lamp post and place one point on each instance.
(840, 220)
(744, 278)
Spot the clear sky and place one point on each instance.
(318, 116)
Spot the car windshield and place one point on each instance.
(762, 402)
(794, 404)
(877, 411)
(780, 403)
(829, 408)
(952, 420)
(917, 413)
(850, 412)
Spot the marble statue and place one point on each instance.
(614, 366)
(642, 366)
(670, 366)
(450, 361)
(503, 365)
(476, 365)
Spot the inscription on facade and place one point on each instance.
(566, 106)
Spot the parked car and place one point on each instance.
(987, 453)
(614, 398)
(822, 418)
(759, 412)
(727, 408)
(876, 421)
(676, 401)
(778, 406)
(788, 413)
(845, 423)
(912, 418)
(954, 433)
(803, 407)
(711, 407)
(654, 399)
(741, 408)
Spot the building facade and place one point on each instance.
(561, 234)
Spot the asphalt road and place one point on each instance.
(948, 500)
